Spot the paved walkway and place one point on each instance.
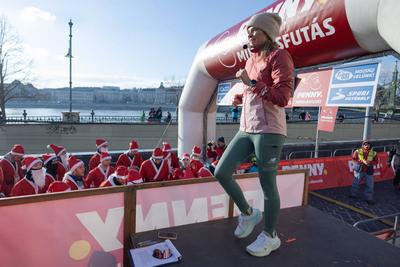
(387, 201)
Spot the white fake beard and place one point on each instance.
(64, 161)
(103, 149)
(39, 177)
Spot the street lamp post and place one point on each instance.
(69, 55)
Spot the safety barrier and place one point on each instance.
(83, 228)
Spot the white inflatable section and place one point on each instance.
(375, 23)
(389, 22)
(196, 95)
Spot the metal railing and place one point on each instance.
(381, 218)
(140, 119)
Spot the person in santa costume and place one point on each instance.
(171, 158)
(101, 146)
(204, 172)
(215, 151)
(195, 162)
(34, 180)
(58, 186)
(101, 172)
(50, 163)
(155, 168)
(185, 171)
(11, 167)
(134, 177)
(74, 178)
(131, 158)
(62, 160)
(117, 178)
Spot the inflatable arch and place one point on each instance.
(314, 31)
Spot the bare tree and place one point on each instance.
(13, 64)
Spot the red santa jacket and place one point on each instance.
(24, 187)
(150, 173)
(195, 165)
(97, 176)
(109, 182)
(94, 161)
(9, 172)
(61, 171)
(49, 179)
(172, 160)
(216, 153)
(74, 185)
(125, 160)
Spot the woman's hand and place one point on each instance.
(242, 75)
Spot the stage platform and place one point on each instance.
(309, 238)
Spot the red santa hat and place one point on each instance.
(214, 163)
(58, 150)
(105, 156)
(133, 146)
(134, 177)
(121, 172)
(29, 161)
(185, 156)
(47, 157)
(204, 172)
(196, 151)
(58, 186)
(166, 147)
(18, 150)
(157, 153)
(74, 163)
(100, 142)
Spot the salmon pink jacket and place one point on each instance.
(263, 106)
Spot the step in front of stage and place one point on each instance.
(309, 238)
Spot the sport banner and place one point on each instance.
(312, 88)
(354, 86)
(81, 231)
(170, 206)
(327, 119)
(331, 172)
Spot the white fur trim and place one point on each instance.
(16, 154)
(45, 162)
(138, 181)
(73, 168)
(33, 163)
(106, 158)
(102, 144)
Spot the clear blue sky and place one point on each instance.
(123, 43)
(126, 43)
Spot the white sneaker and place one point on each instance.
(263, 245)
(247, 223)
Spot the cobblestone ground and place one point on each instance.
(387, 201)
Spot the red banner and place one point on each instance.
(82, 231)
(312, 88)
(332, 172)
(327, 119)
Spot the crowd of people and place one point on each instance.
(22, 174)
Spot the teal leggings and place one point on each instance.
(267, 148)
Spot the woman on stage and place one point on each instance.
(268, 79)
